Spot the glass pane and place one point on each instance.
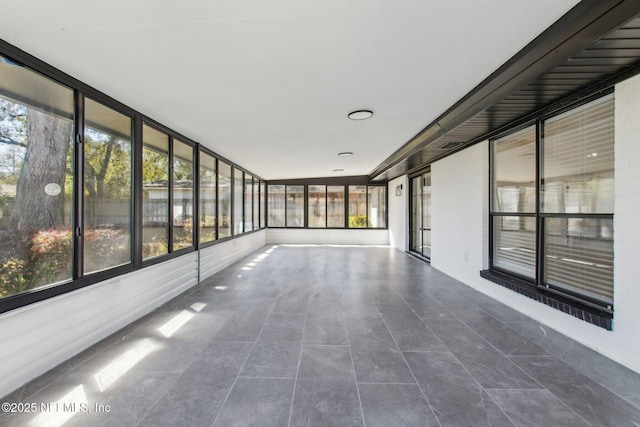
(317, 206)
(182, 195)
(107, 188)
(335, 206)
(36, 180)
(426, 214)
(295, 205)
(357, 206)
(224, 199)
(514, 242)
(416, 214)
(578, 160)
(514, 172)
(377, 199)
(207, 198)
(248, 202)
(276, 205)
(256, 204)
(238, 201)
(263, 211)
(155, 193)
(578, 255)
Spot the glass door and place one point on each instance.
(421, 215)
(426, 215)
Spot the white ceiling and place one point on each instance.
(268, 84)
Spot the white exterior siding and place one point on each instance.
(45, 334)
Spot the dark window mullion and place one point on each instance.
(78, 197)
(136, 191)
(217, 193)
(171, 170)
(539, 278)
(195, 204)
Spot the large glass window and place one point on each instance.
(182, 195)
(317, 205)
(207, 211)
(327, 206)
(67, 210)
(276, 206)
(295, 206)
(376, 207)
(335, 206)
(577, 200)
(224, 199)
(572, 252)
(256, 204)
(155, 192)
(107, 188)
(238, 201)
(36, 180)
(357, 206)
(248, 202)
(514, 203)
(263, 211)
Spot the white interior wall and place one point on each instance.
(321, 236)
(45, 334)
(399, 213)
(460, 186)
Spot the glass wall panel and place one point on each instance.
(248, 202)
(421, 214)
(514, 172)
(416, 214)
(377, 203)
(514, 244)
(263, 210)
(207, 198)
(36, 180)
(256, 204)
(295, 205)
(155, 192)
(426, 215)
(357, 206)
(238, 201)
(578, 255)
(317, 206)
(335, 206)
(224, 199)
(276, 205)
(107, 188)
(182, 195)
(578, 160)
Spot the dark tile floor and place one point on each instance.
(333, 336)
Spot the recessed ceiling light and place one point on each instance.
(338, 170)
(360, 114)
(345, 154)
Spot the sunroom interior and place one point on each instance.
(147, 150)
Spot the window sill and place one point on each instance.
(583, 312)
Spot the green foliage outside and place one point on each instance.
(357, 221)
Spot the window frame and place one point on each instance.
(79, 279)
(540, 216)
(332, 182)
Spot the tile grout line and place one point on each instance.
(241, 368)
(353, 366)
(295, 381)
(409, 368)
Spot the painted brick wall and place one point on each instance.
(460, 233)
